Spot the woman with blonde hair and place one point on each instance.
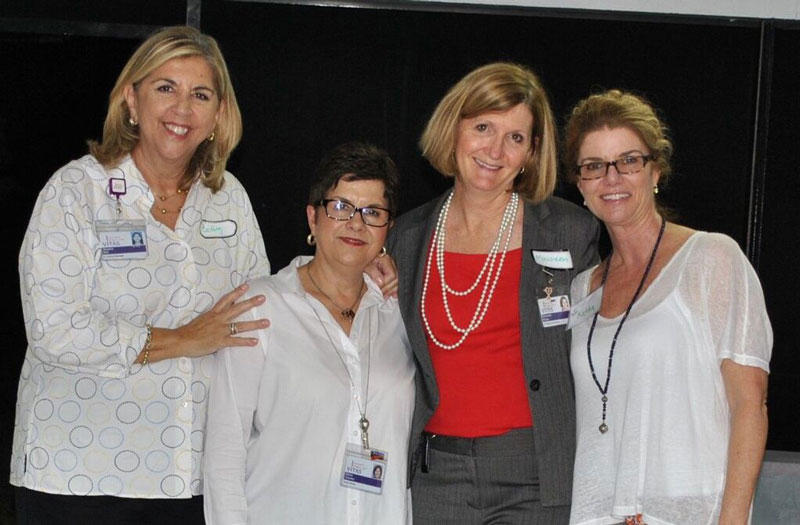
(126, 271)
(671, 368)
(493, 432)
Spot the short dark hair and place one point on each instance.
(356, 161)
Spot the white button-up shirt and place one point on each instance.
(88, 420)
(281, 414)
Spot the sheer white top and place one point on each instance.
(665, 452)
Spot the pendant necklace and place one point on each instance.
(604, 389)
(348, 314)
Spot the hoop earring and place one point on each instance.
(310, 240)
(211, 137)
(383, 251)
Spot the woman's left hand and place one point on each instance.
(383, 271)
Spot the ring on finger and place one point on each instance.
(233, 329)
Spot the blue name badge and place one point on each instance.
(122, 239)
(363, 469)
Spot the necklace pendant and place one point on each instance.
(162, 198)
(348, 315)
(603, 428)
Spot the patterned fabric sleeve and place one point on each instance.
(256, 263)
(57, 265)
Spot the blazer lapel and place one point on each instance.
(412, 255)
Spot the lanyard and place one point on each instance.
(363, 423)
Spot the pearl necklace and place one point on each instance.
(438, 248)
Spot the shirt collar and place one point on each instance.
(291, 278)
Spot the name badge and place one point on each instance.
(559, 260)
(585, 309)
(363, 469)
(122, 239)
(218, 229)
(554, 310)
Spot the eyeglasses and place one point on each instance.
(625, 165)
(344, 211)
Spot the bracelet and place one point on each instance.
(148, 343)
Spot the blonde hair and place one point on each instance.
(120, 137)
(496, 87)
(617, 109)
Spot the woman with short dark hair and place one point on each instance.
(312, 425)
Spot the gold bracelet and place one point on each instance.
(148, 343)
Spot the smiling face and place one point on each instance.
(492, 148)
(618, 199)
(177, 108)
(351, 243)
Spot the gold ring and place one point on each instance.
(233, 329)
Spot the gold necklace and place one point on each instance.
(348, 314)
(163, 198)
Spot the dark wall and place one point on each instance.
(308, 78)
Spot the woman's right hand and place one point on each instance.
(205, 334)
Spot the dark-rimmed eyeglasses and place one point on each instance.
(625, 165)
(339, 210)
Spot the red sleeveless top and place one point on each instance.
(481, 382)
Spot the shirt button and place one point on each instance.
(535, 384)
(185, 404)
(354, 502)
(355, 432)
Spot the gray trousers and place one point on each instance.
(491, 480)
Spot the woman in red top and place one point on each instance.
(493, 431)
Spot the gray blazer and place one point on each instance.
(554, 224)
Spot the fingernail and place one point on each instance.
(243, 287)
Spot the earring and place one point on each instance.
(211, 137)
(383, 251)
(584, 203)
(521, 171)
(132, 121)
(655, 189)
(310, 240)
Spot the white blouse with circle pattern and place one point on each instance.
(88, 420)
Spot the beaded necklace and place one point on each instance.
(603, 428)
(437, 249)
